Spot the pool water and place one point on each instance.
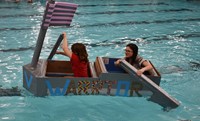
(166, 31)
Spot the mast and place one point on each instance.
(56, 14)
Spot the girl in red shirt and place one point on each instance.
(78, 57)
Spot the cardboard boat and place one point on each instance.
(44, 77)
(55, 77)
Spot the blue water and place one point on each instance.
(166, 31)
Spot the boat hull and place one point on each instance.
(52, 78)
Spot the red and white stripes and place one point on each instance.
(59, 14)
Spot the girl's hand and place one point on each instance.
(118, 61)
(64, 35)
(58, 52)
(140, 71)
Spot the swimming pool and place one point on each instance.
(166, 32)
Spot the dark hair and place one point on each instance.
(80, 50)
(134, 48)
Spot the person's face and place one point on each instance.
(128, 52)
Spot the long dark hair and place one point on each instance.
(80, 50)
(134, 48)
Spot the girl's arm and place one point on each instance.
(65, 48)
(60, 52)
(147, 66)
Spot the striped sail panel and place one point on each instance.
(58, 23)
(59, 14)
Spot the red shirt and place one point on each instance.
(79, 68)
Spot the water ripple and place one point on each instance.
(106, 12)
(144, 40)
(145, 4)
(118, 23)
(143, 11)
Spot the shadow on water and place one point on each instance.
(14, 91)
(190, 66)
(170, 69)
(17, 49)
(195, 65)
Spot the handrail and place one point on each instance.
(53, 51)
